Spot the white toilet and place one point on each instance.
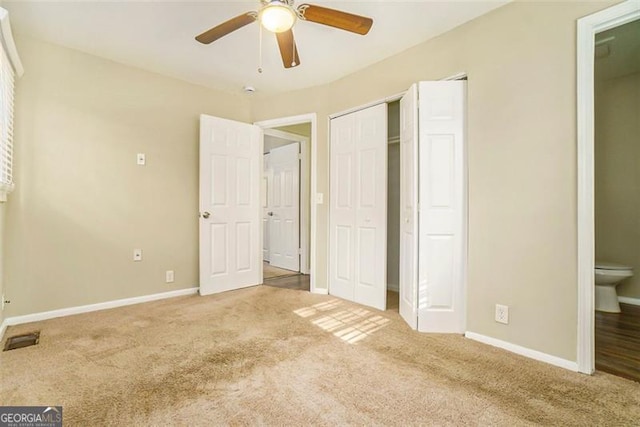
(608, 275)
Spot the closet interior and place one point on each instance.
(393, 204)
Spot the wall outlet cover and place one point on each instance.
(169, 276)
(502, 314)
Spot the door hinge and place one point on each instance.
(299, 251)
(299, 156)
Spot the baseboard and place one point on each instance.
(3, 327)
(35, 317)
(523, 351)
(628, 300)
(393, 287)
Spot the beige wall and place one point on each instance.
(303, 129)
(520, 60)
(81, 204)
(617, 199)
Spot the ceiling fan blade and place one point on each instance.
(226, 27)
(288, 49)
(335, 18)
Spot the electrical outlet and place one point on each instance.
(169, 276)
(502, 314)
(137, 254)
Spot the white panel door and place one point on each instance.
(358, 210)
(408, 207)
(442, 216)
(284, 227)
(230, 172)
(342, 207)
(265, 196)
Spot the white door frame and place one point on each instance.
(304, 192)
(588, 27)
(294, 120)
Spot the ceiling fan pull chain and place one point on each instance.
(260, 50)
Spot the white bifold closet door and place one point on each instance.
(230, 209)
(433, 206)
(409, 207)
(284, 224)
(442, 223)
(358, 210)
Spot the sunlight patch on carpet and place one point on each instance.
(351, 325)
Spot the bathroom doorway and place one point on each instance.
(617, 200)
(608, 82)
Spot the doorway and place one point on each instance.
(284, 198)
(617, 201)
(588, 28)
(287, 208)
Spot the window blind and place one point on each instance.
(6, 124)
(10, 68)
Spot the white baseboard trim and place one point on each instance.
(628, 300)
(3, 327)
(393, 287)
(523, 351)
(35, 317)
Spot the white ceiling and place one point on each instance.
(159, 36)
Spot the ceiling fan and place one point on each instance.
(279, 16)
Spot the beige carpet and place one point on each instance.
(274, 356)
(269, 271)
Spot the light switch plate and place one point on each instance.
(141, 159)
(137, 254)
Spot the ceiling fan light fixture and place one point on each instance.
(277, 17)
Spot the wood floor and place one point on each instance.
(269, 271)
(618, 342)
(299, 282)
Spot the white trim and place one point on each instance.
(9, 44)
(294, 120)
(588, 27)
(628, 300)
(386, 100)
(45, 315)
(3, 328)
(523, 351)
(305, 201)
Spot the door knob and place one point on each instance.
(206, 215)
(270, 213)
